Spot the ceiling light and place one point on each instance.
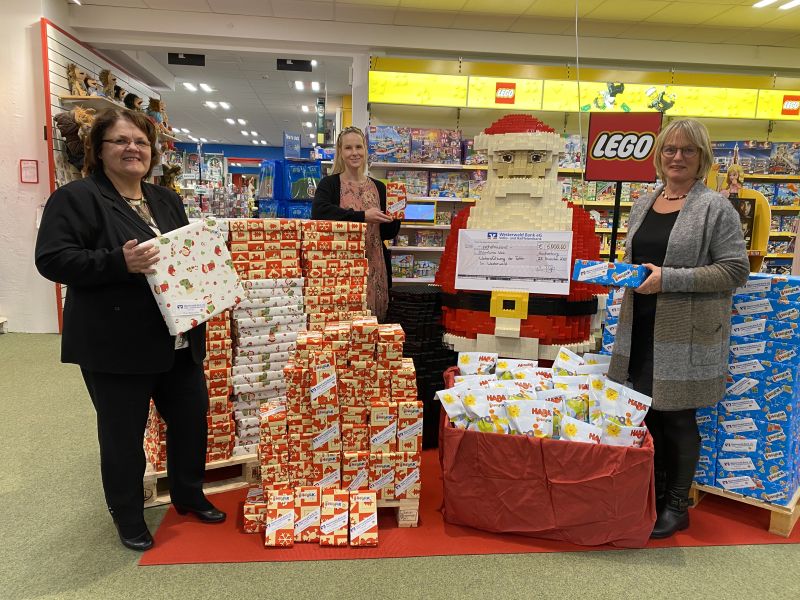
(307, 123)
(211, 105)
(205, 87)
(789, 5)
(189, 86)
(314, 63)
(184, 130)
(244, 132)
(254, 133)
(764, 3)
(304, 108)
(255, 142)
(299, 85)
(311, 135)
(225, 105)
(241, 121)
(78, 2)
(230, 121)
(194, 139)
(263, 142)
(203, 140)
(315, 86)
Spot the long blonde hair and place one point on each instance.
(338, 159)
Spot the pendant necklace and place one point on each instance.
(673, 198)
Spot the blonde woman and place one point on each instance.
(348, 194)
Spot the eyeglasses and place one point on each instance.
(686, 152)
(123, 143)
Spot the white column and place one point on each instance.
(360, 90)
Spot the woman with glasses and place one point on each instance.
(673, 332)
(349, 195)
(90, 239)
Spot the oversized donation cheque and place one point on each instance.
(194, 278)
(558, 453)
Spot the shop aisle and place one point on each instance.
(59, 543)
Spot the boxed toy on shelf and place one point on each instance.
(435, 146)
(753, 156)
(387, 143)
(402, 265)
(573, 153)
(450, 184)
(766, 189)
(425, 268)
(477, 181)
(470, 156)
(786, 194)
(784, 159)
(429, 238)
(416, 180)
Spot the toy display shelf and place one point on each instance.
(95, 102)
(609, 203)
(779, 256)
(771, 177)
(412, 280)
(784, 208)
(422, 166)
(789, 234)
(608, 230)
(417, 248)
(440, 199)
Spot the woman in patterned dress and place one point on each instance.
(348, 194)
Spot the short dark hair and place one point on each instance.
(104, 121)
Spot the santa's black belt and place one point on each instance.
(536, 305)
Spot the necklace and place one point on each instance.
(673, 198)
(133, 201)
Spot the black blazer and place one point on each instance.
(112, 323)
(326, 207)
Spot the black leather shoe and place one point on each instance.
(209, 515)
(674, 517)
(140, 543)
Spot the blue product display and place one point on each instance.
(288, 209)
(301, 180)
(616, 274)
(267, 209)
(266, 180)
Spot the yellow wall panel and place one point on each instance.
(527, 93)
(417, 88)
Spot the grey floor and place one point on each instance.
(58, 542)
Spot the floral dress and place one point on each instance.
(362, 196)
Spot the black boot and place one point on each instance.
(661, 490)
(673, 517)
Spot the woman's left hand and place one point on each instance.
(651, 285)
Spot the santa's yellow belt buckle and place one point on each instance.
(507, 304)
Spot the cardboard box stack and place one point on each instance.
(266, 253)
(755, 444)
(335, 270)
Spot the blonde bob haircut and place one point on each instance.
(338, 159)
(697, 134)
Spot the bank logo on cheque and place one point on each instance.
(492, 235)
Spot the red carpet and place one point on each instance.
(180, 540)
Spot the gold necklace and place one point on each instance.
(673, 198)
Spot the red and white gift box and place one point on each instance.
(255, 510)
(279, 522)
(382, 474)
(363, 519)
(355, 471)
(334, 517)
(307, 503)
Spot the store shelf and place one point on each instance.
(782, 234)
(412, 280)
(608, 230)
(439, 199)
(404, 226)
(779, 256)
(417, 248)
(771, 177)
(95, 102)
(610, 203)
(784, 208)
(453, 167)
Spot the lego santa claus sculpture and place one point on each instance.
(522, 193)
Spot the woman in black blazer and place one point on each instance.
(349, 195)
(90, 239)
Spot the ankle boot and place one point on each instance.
(661, 490)
(673, 517)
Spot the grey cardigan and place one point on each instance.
(706, 260)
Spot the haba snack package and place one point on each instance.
(574, 430)
(477, 363)
(621, 404)
(476, 380)
(615, 434)
(597, 388)
(576, 404)
(486, 410)
(596, 359)
(530, 417)
(563, 382)
(507, 367)
(595, 369)
(557, 399)
(451, 400)
(635, 407)
(566, 362)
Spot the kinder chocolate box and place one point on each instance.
(765, 350)
(609, 273)
(765, 329)
(766, 308)
(774, 286)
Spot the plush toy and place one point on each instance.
(92, 87)
(109, 81)
(169, 178)
(74, 125)
(119, 93)
(133, 102)
(76, 77)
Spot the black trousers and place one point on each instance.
(122, 404)
(677, 447)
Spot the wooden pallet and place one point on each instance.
(222, 476)
(782, 519)
(407, 511)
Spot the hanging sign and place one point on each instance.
(320, 137)
(291, 145)
(620, 146)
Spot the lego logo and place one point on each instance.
(791, 105)
(622, 146)
(505, 93)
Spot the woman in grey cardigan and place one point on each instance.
(672, 337)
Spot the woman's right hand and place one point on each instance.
(375, 215)
(138, 258)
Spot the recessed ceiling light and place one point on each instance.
(194, 139)
(241, 121)
(78, 2)
(263, 142)
(254, 133)
(230, 121)
(211, 105)
(764, 3)
(311, 135)
(190, 86)
(307, 123)
(315, 86)
(789, 5)
(203, 140)
(205, 87)
(244, 132)
(304, 108)
(314, 63)
(225, 105)
(299, 85)
(255, 142)
(184, 130)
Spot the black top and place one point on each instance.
(649, 246)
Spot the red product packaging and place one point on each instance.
(355, 470)
(255, 510)
(279, 523)
(334, 516)
(407, 476)
(307, 503)
(333, 226)
(363, 518)
(409, 426)
(382, 474)
(355, 438)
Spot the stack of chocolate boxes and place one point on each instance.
(751, 439)
(266, 254)
(335, 269)
(350, 427)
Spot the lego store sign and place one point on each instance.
(493, 92)
(779, 105)
(620, 146)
